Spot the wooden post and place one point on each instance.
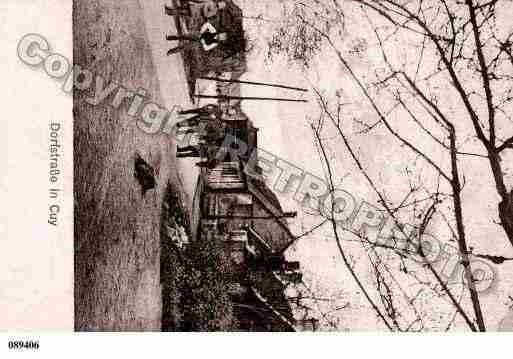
(249, 98)
(218, 79)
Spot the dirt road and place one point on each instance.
(117, 248)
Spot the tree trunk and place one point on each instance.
(506, 215)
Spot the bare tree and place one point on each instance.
(446, 67)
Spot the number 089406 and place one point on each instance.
(23, 344)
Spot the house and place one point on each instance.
(245, 215)
(237, 211)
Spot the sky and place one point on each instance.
(285, 132)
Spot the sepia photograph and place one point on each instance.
(293, 166)
(339, 170)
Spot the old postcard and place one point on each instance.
(258, 166)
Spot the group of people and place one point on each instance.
(209, 123)
(208, 36)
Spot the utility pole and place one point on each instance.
(218, 79)
(285, 215)
(221, 97)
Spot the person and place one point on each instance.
(187, 151)
(210, 8)
(212, 158)
(187, 131)
(230, 114)
(190, 122)
(178, 11)
(209, 38)
(193, 150)
(207, 112)
(208, 153)
(210, 164)
(236, 44)
(210, 130)
(213, 133)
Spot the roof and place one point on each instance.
(270, 307)
(267, 192)
(263, 243)
(271, 203)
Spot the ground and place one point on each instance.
(130, 273)
(117, 241)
